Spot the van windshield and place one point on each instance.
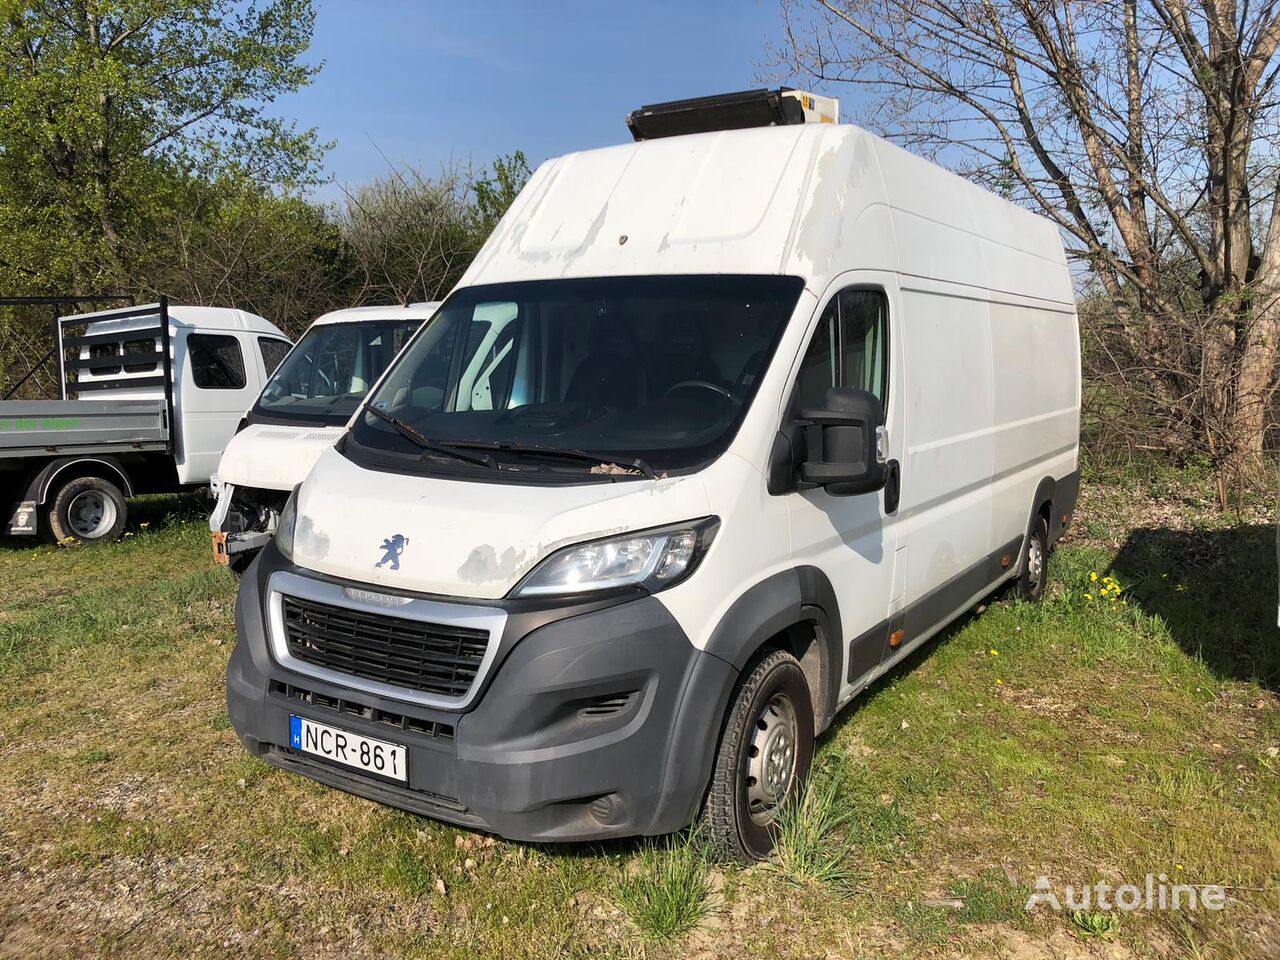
(324, 378)
(657, 368)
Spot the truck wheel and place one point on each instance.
(1035, 562)
(762, 761)
(88, 510)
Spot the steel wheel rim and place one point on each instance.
(771, 758)
(90, 514)
(1035, 560)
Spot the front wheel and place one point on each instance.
(763, 759)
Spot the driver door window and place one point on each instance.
(819, 370)
(864, 316)
(849, 348)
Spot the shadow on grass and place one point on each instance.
(158, 511)
(1216, 591)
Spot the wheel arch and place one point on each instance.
(72, 468)
(793, 610)
(1041, 506)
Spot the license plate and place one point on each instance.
(349, 749)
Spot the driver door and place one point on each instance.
(854, 539)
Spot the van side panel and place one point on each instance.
(992, 369)
(1037, 411)
(945, 508)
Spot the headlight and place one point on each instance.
(284, 526)
(653, 559)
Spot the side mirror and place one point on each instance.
(843, 443)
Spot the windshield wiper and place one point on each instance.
(343, 396)
(430, 446)
(510, 446)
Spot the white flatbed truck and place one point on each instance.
(148, 397)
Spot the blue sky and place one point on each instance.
(423, 82)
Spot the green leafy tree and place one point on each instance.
(495, 193)
(108, 106)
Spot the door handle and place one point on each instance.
(892, 486)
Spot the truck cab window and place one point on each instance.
(273, 351)
(140, 349)
(216, 362)
(99, 351)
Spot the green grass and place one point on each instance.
(813, 845)
(1077, 739)
(664, 892)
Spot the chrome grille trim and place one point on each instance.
(282, 583)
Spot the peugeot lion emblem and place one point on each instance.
(391, 548)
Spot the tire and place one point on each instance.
(87, 510)
(1035, 562)
(770, 717)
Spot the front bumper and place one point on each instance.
(595, 720)
(232, 547)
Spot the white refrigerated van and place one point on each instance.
(717, 428)
(303, 408)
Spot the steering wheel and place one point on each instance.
(700, 384)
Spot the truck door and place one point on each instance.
(214, 391)
(854, 540)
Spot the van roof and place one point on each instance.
(406, 311)
(811, 200)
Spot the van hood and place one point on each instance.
(273, 457)
(466, 539)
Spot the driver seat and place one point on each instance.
(608, 375)
(683, 355)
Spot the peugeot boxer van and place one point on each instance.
(719, 426)
(302, 410)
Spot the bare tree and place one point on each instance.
(411, 236)
(1146, 129)
(278, 256)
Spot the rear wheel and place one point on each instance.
(1035, 562)
(763, 759)
(87, 510)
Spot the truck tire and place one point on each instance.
(1035, 562)
(86, 510)
(762, 761)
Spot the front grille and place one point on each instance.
(434, 658)
(430, 728)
